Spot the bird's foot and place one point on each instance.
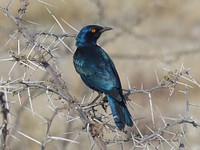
(104, 103)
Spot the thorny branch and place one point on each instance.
(156, 134)
(56, 79)
(94, 123)
(5, 129)
(49, 123)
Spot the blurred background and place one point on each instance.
(147, 36)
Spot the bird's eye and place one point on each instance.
(93, 30)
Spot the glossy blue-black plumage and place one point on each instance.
(98, 72)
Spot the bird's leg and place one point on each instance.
(104, 103)
(96, 98)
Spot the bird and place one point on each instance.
(98, 72)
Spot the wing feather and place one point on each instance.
(98, 71)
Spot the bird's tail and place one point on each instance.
(120, 113)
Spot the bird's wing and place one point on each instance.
(98, 71)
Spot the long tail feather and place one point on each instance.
(120, 113)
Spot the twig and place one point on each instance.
(184, 128)
(5, 129)
(56, 79)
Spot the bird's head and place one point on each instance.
(89, 35)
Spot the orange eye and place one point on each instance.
(93, 30)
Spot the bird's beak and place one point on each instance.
(105, 29)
